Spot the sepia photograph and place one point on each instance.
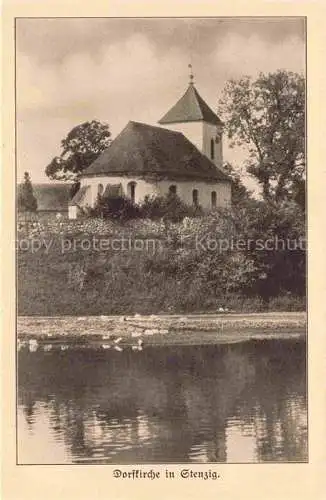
(161, 240)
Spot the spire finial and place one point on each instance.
(191, 76)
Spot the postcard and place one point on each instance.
(163, 276)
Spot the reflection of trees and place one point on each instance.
(282, 404)
(159, 404)
(275, 404)
(28, 410)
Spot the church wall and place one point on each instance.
(88, 199)
(200, 134)
(210, 132)
(185, 192)
(192, 130)
(143, 188)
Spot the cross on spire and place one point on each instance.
(191, 76)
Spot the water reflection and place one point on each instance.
(235, 403)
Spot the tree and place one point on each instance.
(239, 192)
(83, 144)
(267, 115)
(26, 199)
(275, 242)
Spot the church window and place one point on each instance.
(131, 189)
(213, 199)
(173, 189)
(195, 197)
(212, 149)
(100, 189)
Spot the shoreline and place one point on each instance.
(196, 329)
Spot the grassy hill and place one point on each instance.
(95, 267)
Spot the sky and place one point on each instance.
(72, 70)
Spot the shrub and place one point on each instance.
(169, 207)
(179, 275)
(115, 207)
(26, 199)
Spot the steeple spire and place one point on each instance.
(191, 76)
(192, 116)
(190, 108)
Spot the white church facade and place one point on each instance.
(183, 155)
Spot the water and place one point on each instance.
(237, 403)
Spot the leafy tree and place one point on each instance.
(267, 115)
(239, 192)
(83, 144)
(26, 199)
(300, 194)
(275, 242)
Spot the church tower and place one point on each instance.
(198, 122)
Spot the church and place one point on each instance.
(183, 155)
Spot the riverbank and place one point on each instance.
(119, 331)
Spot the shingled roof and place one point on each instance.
(190, 108)
(80, 196)
(51, 197)
(145, 150)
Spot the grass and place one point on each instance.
(55, 280)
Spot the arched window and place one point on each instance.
(212, 149)
(173, 189)
(195, 197)
(213, 199)
(131, 190)
(100, 189)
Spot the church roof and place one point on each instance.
(190, 108)
(145, 150)
(80, 196)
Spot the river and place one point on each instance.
(237, 403)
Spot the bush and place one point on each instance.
(169, 207)
(179, 275)
(115, 207)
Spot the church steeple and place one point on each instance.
(190, 108)
(192, 116)
(191, 76)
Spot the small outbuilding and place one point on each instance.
(52, 201)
